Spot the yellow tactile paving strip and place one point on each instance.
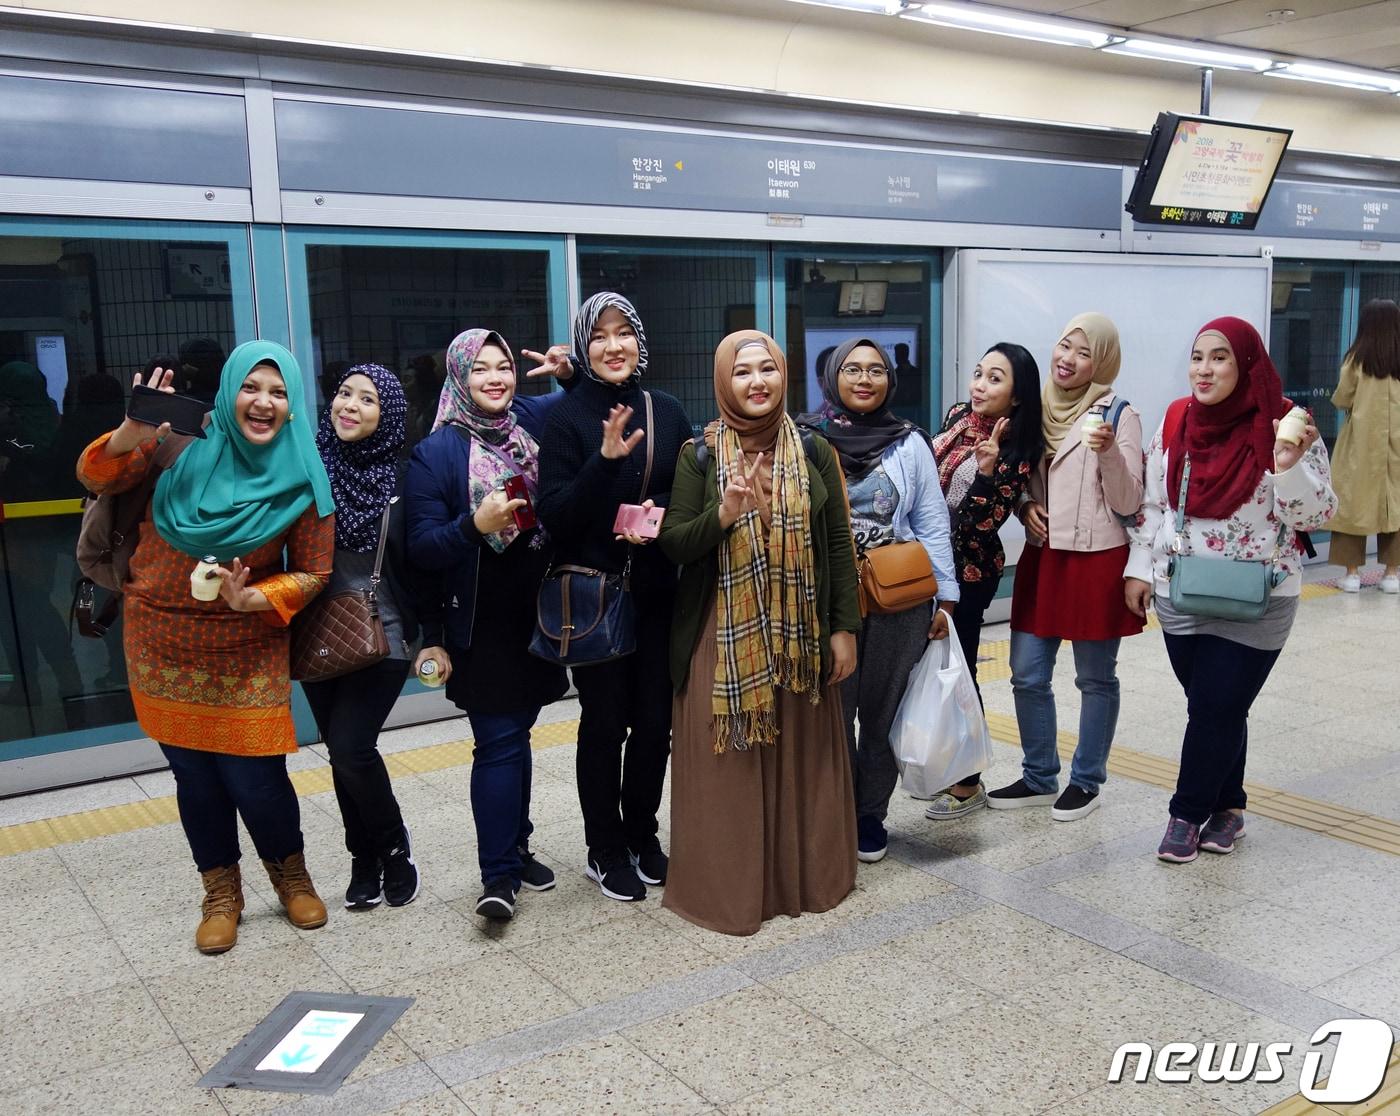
(1386, 1100)
(993, 665)
(108, 820)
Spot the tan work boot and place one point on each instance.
(223, 907)
(296, 892)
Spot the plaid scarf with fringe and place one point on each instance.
(766, 624)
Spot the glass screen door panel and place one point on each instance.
(83, 306)
(824, 295)
(689, 296)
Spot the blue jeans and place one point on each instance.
(1096, 676)
(212, 790)
(501, 771)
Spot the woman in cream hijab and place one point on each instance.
(1069, 581)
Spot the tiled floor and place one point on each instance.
(990, 965)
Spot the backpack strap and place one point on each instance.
(1115, 411)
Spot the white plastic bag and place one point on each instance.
(939, 734)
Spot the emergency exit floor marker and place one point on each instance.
(308, 1044)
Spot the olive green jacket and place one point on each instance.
(691, 534)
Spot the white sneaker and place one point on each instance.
(1390, 585)
(1351, 583)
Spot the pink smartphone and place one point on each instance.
(637, 520)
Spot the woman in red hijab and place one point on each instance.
(1248, 495)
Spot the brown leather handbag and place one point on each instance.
(895, 577)
(339, 633)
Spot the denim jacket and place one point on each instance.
(922, 512)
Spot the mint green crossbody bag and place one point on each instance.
(1220, 587)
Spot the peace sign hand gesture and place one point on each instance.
(555, 362)
(989, 449)
(738, 494)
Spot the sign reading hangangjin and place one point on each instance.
(307, 1045)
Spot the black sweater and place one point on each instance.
(581, 490)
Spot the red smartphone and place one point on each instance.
(637, 520)
(516, 490)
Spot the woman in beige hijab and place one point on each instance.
(1069, 581)
(762, 815)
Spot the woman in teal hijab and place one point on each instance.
(233, 491)
(209, 679)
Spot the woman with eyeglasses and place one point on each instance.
(895, 496)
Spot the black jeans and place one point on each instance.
(975, 597)
(213, 789)
(619, 788)
(1221, 679)
(350, 711)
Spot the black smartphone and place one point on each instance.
(517, 490)
(184, 414)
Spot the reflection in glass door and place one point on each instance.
(827, 294)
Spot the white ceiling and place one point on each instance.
(1359, 32)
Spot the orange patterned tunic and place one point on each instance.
(202, 675)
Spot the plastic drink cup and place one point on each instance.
(204, 582)
(1292, 425)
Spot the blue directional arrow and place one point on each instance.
(303, 1055)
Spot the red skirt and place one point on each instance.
(1070, 594)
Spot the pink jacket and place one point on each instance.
(1082, 490)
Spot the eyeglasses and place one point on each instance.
(853, 372)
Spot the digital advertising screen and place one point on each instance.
(1205, 173)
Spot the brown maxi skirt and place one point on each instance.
(762, 832)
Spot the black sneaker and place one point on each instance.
(616, 877)
(400, 873)
(1075, 802)
(1017, 795)
(498, 900)
(650, 863)
(533, 874)
(366, 889)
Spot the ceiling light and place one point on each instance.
(882, 7)
(1336, 75)
(971, 18)
(1191, 54)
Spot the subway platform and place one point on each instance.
(989, 965)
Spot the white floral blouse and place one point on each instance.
(1300, 498)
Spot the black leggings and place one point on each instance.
(350, 711)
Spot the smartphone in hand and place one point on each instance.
(516, 490)
(184, 414)
(633, 519)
